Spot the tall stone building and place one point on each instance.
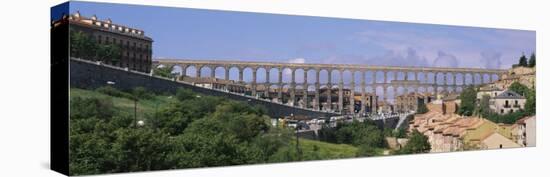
(136, 48)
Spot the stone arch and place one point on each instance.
(369, 89)
(424, 77)
(299, 75)
(347, 76)
(357, 78)
(369, 78)
(247, 74)
(379, 77)
(287, 75)
(323, 76)
(486, 78)
(234, 73)
(205, 71)
(477, 79)
(261, 74)
(274, 75)
(432, 78)
(469, 79)
(311, 76)
(411, 75)
(421, 90)
(191, 71)
(399, 75)
(335, 76)
(459, 78)
(219, 72)
(450, 77)
(440, 78)
(410, 89)
(176, 69)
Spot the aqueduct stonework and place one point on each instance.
(435, 78)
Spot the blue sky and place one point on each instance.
(210, 34)
(224, 35)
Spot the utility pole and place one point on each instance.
(135, 112)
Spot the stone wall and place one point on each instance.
(89, 75)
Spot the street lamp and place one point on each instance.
(298, 153)
(141, 123)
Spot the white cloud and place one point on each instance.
(297, 60)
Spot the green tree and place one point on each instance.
(422, 109)
(82, 108)
(519, 88)
(467, 101)
(532, 60)
(140, 149)
(523, 61)
(163, 72)
(142, 93)
(108, 52)
(81, 46)
(530, 103)
(484, 106)
(418, 143)
(185, 94)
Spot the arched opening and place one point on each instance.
(299, 75)
(274, 75)
(234, 73)
(311, 76)
(261, 75)
(287, 75)
(335, 76)
(323, 76)
(247, 75)
(191, 71)
(220, 72)
(347, 77)
(369, 78)
(205, 71)
(176, 70)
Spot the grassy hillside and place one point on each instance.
(148, 106)
(328, 150)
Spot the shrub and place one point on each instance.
(142, 93)
(108, 90)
